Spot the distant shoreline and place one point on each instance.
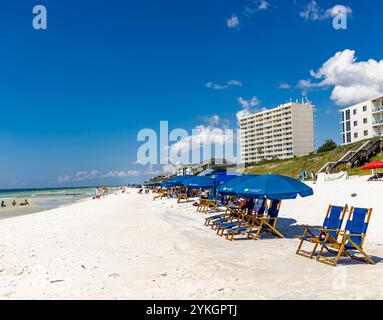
(41, 200)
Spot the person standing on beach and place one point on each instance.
(3, 205)
(14, 203)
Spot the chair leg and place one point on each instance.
(274, 230)
(299, 247)
(367, 258)
(314, 250)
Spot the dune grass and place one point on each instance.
(313, 162)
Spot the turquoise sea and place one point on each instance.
(41, 199)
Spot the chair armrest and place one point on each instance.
(309, 226)
(354, 235)
(324, 230)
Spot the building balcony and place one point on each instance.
(377, 110)
(377, 123)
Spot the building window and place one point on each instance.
(342, 116)
(348, 137)
(356, 135)
(365, 120)
(348, 126)
(355, 123)
(365, 133)
(344, 138)
(347, 114)
(364, 108)
(354, 112)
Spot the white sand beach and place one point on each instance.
(128, 247)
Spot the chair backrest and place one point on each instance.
(334, 218)
(357, 223)
(274, 208)
(261, 210)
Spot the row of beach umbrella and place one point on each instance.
(271, 186)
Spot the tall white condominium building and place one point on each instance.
(283, 132)
(362, 121)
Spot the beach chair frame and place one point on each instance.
(266, 223)
(182, 196)
(207, 204)
(310, 236)
(240, 218)
(241, 229)
(341, 247)
(228, 213)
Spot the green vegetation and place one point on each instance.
(310, 163)
(327, 146)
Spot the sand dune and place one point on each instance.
(128, 247)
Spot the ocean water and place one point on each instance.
(41, 199)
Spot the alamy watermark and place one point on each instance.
(339, 14)
(179, 147)
(40, 19)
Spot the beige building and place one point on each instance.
(283, 132)
(362, 121)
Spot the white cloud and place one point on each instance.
(248, 106)
(203, 135)
(250, 9)
(255, 6)
(169, 168)
(215, 120)
(216, 86)
(312, 11)
(284, 85)
(236, 83)
(263, 5)
(64, 178)
(96, 174)
(248, 103)
(233, 22)
(121, 174)
(351, 81)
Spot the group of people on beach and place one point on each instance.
(101, 192)
(14, 203)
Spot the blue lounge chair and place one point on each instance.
(252, 221)
(230, 212)
(206, 204)
(313, 234)
(350, 241)
(267, 223)
(249, 218)
(240, 217)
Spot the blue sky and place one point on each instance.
(74, 96)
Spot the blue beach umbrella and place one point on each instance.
(176, 181)
(222, 179)
(273, 187)
(228, 187)
(199, 182)
(166, 185)
(212, 172)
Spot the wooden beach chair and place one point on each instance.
(227, 218)
(161, 195)
(350, 241)
(313, 234)
(230, 212)
(206, 204)
(248, 217)
(243, 218)
(253, 221)
(268, 222)
(182, 196)
(202, 203)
